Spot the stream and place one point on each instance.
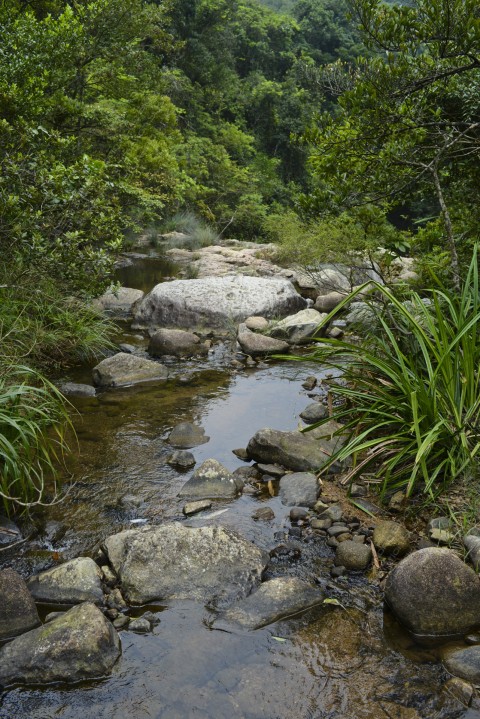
(335, 662)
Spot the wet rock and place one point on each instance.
(464, 663)
(274, 600)
(186, 435)
(124, 369)
(182, 459)
(298, 514)
(241, 453)
(73, 389)
(310, 383)
(18, 612)
(460, 689)
(140, 625)
(294, 450)
(9, 532)
(119, 302)
(195, 507)
(178, 343)
(272, 469)
(314, 412)
(207, 564)
(256, 324)
(299, 489)
(121, 622)
(432, 592)
(215, 302)
(115, 600)
(255, 344)
(322, 524)
(79, 580)
(211, 481)
(336, 530)
(352, 555)
(265, 514)
(338, 571)
(298, 328)
(391, 538)
(81, 644)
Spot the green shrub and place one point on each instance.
(411, 401)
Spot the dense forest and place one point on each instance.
(325, 127)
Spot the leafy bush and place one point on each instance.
(411, 401)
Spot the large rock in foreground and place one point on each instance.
(274, 600)
(433, 593)
(79, 580)
(293, 450)
(216, 302)
(209, 564)
(124, 369)
(18, 612)
(80, 644)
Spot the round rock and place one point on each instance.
(433, 593)
(391, 538)
(352, 555)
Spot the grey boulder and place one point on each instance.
(216, 302)
(119, 302)
(274, 600)
(299, 489)
(18, 612)
(293, 450)
(300, 327)
(176, 342)
(208, 564)
(124, 369)
(255, 344)
(79, 580)
(72, 389)
(79, 644)
(211, 481)
(433, 593)
(181, 459)
(314, 412)
(464, 663)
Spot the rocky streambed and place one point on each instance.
(197, 567)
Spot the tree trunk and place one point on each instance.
(447, 221)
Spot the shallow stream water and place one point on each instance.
(336, 662)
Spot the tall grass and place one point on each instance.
(33, 424)
(411, 401)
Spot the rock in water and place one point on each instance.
(255, 344)
(186, 435)
(274, 600)
(208, 564)
(80, 644)
(18, 612)
(216, 302)
(211, 481)
(314, 412)
(176, 342)
(299, 328)
(124, 369)
(79, 580)
(293, 450)
(464, 663)
(119, 302)
(433, 593)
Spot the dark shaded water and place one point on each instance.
(335, 663)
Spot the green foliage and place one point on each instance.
(411, 402)
(33, 422)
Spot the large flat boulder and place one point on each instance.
(80, 644)
(293, 450)
(216, 302)
(79, 580)
(124, 369)
(433, 593)
(274, 600)
(209, 564)
(256, 344)
(18, 612)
